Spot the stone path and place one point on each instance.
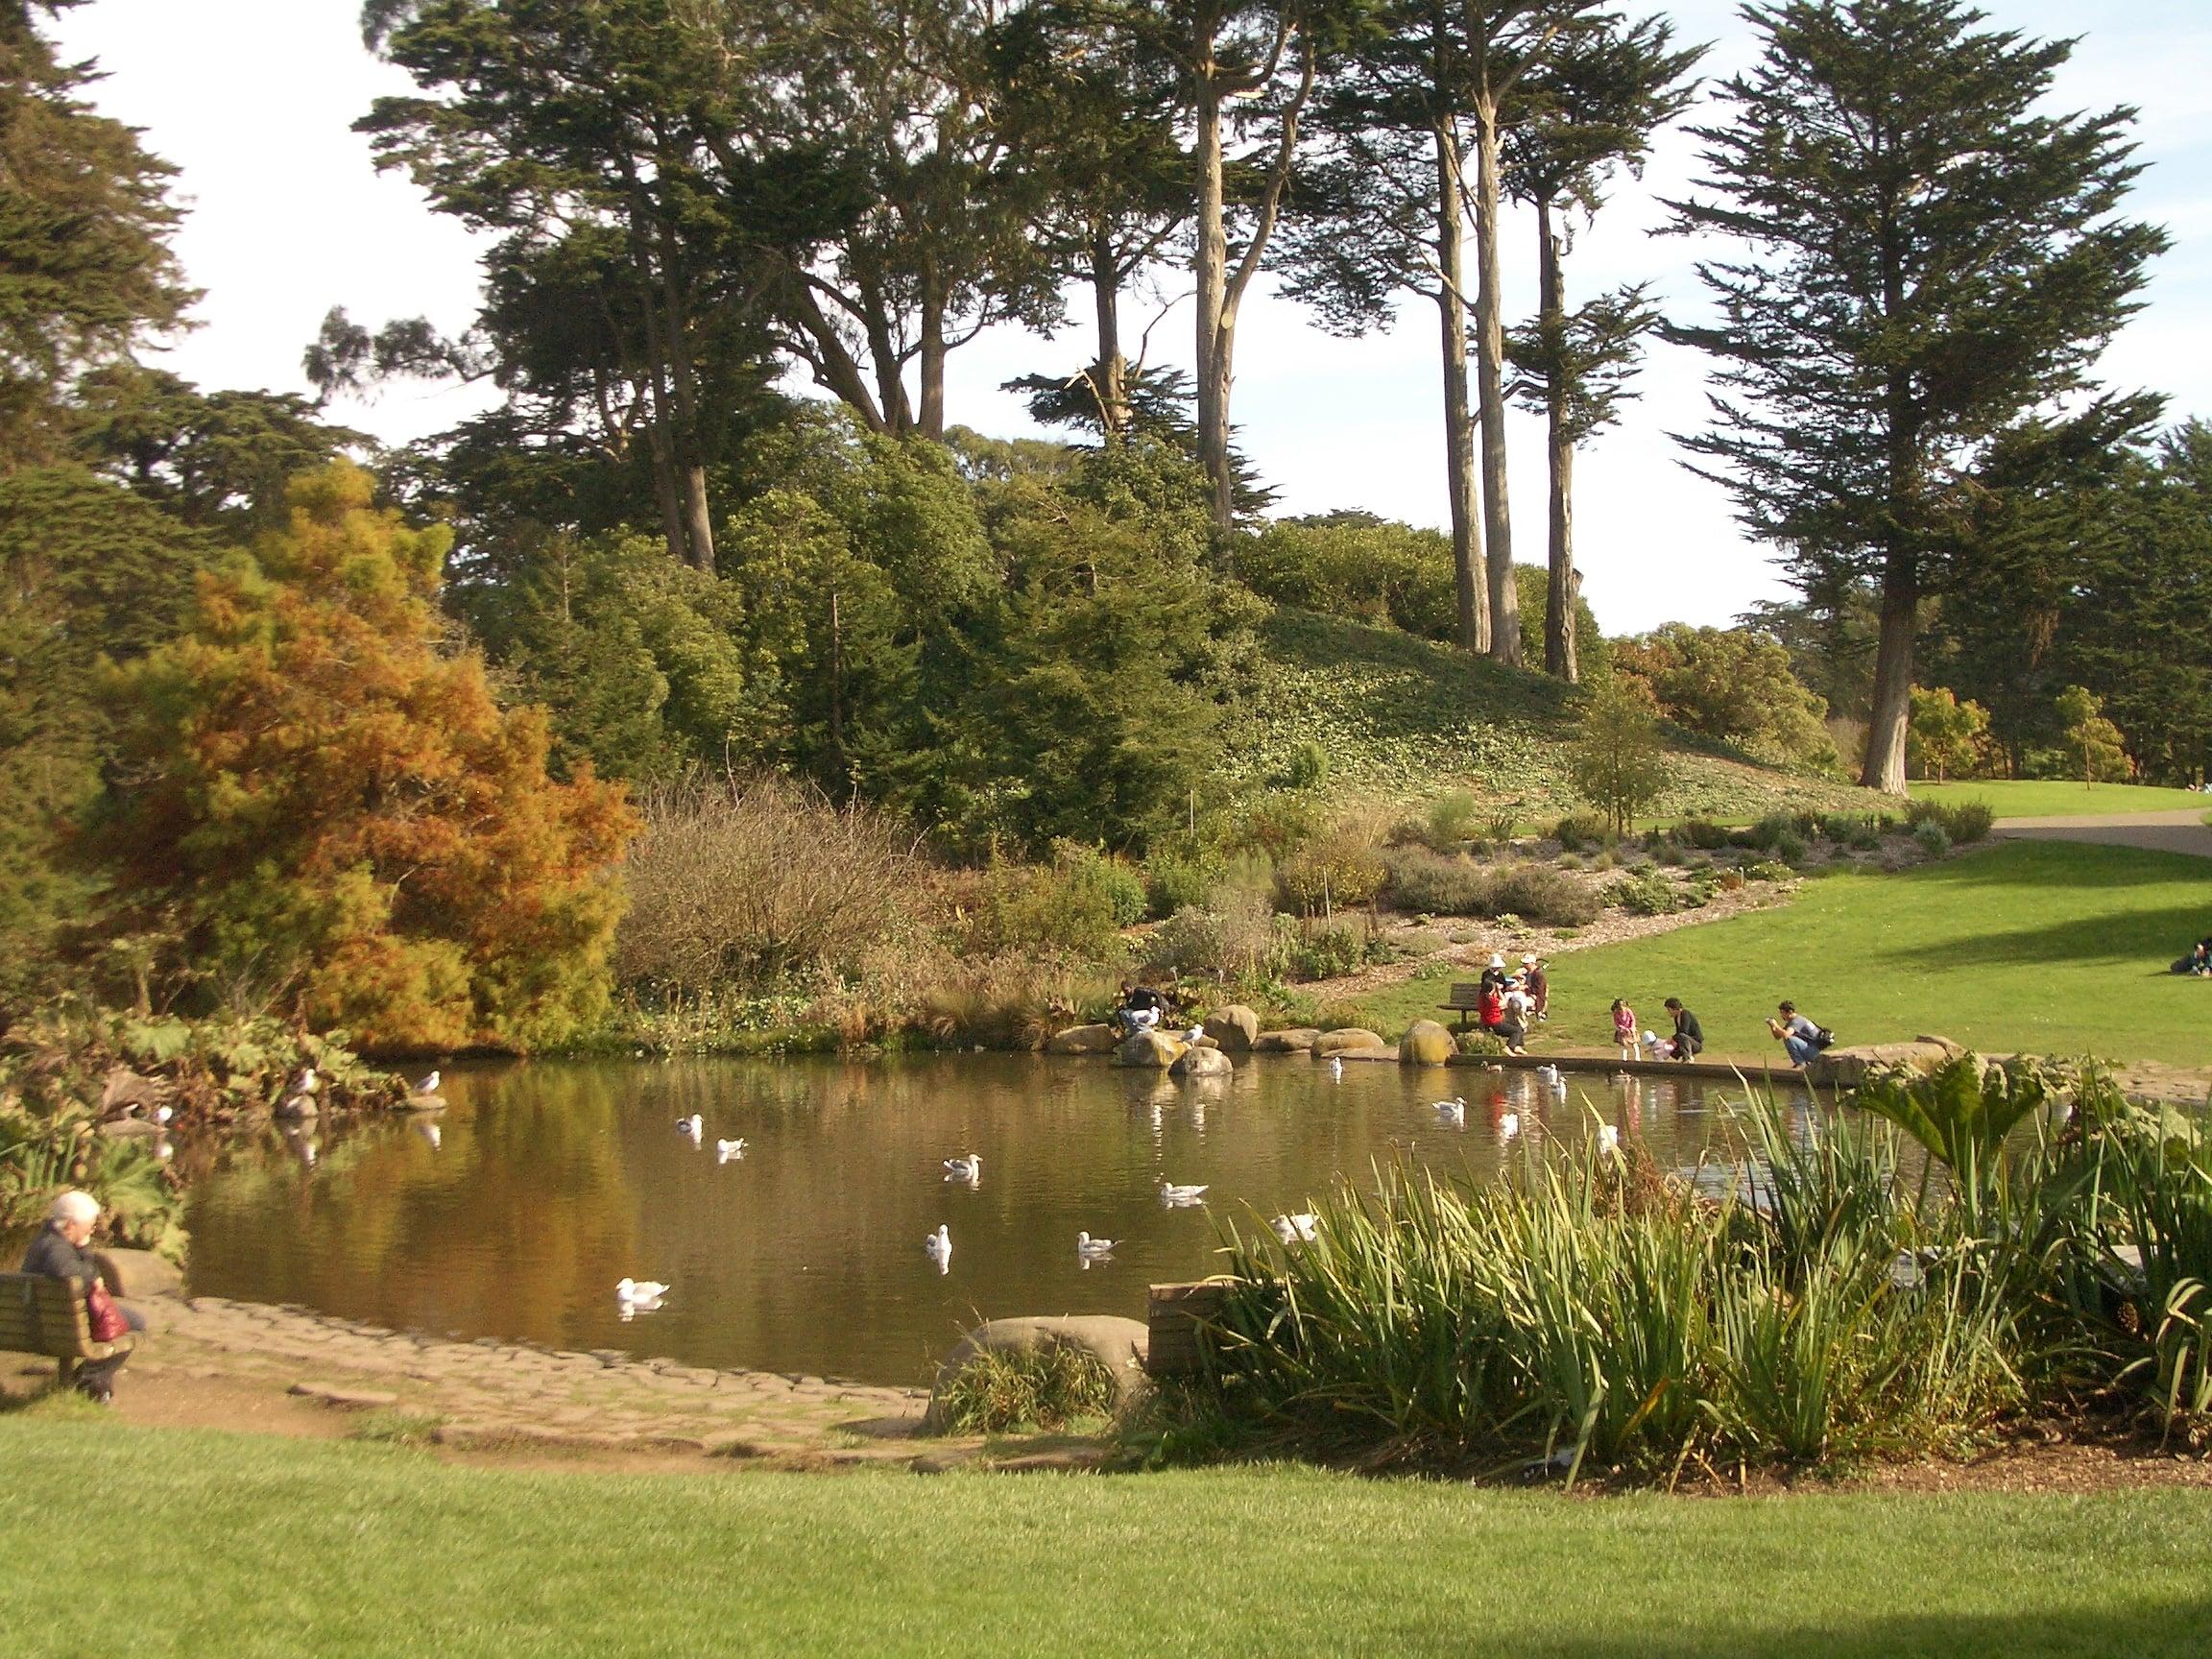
(2182, 832)
(208, 1362)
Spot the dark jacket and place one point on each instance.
(1686, 1026)
(52, 1254)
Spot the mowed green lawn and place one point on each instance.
(2037, 947)
(122, 1541)
(2052, 798)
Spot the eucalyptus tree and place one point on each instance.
(1594, 104)
(1927, 261)
(1245, 71)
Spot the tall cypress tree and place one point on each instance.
(1926, 262)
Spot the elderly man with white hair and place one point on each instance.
(58, 1252)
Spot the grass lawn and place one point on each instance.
(2046, 946)
(2052, 798)
(122, 1541)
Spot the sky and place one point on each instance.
(254, 99)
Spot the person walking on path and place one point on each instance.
(1688, 1035)
(1798, 1036)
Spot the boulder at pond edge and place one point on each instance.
(1120, 1344)
(1149, 1048)
(1343, 1039)
(1233, 1027)
(1426, 1044)
(1082, 1040)
(1202, 1063)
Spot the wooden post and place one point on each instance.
(1177, 1316)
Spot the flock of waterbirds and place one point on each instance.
(642, 1296)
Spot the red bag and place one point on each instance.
(106, 1318)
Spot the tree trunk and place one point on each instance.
(1109, 377)
(1490, 381)
(1562, 590)
(932, 360)
(1885, 725)
(1211, 271)
(1474, 594)
(659, 438)
(698, 514)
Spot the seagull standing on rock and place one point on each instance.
(428, 1085)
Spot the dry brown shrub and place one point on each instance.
(751, 883)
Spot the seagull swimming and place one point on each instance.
(428, 1085)
(724, 1150)
(1093, 1249)
(939, 1247)
(636, 1290)
(1171, 1193)
(1453, 1112)
(693, 1126)
(1294, 1229)
(968, 1171)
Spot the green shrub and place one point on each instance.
(1174, 882)
(1931, 838)
(1543, 895)
(1766, 871)
(1567, 861)
(1500, 826)
(1330, 950)
(1452, 819)
(1342, 867)
(1703, 833)
(1045, 1388)
(1646, 893)
(1036, 909)
(1098, 874)
(1438, 885)
(1582, 832)
(1482, 1044)
(1790, 847)
(1771, 831)
(1308, 768)
(1239, 937)
(1969, 821)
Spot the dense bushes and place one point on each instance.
(744, 886)
(1422, 881)
(1835, 1302)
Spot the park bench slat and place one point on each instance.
(46, 1316)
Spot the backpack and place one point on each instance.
(1822, 1037)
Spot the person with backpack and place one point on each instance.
(1799, 1035)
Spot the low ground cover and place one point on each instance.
(266, 1546)
(2042, 947)
(2058, 798)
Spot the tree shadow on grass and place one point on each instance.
(2138, 943)
(2148, 1628)
(2081, 864)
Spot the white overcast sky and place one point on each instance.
(255, 101)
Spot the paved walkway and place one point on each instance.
(2183, 831)
(207, 1362)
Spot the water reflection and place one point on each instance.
(514, 1213)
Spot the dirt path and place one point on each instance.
(210, 1363)
(2183, 831)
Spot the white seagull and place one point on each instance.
(306, 1083)
(968, 1171)
(1294, 1229)
(428, 1085)
(1173, 1194)
(633, 1291)
(694, 1126)
(1453, 1112)
(939, 1247)
(162, 1114)
(1093, 1249)
(724, 1150)
(1549, 1074)
(1608, 1141)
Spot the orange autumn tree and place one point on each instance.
(322, 806)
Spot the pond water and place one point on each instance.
(513, 1213)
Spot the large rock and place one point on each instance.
(1297, 1040)
(1082, 1040)
(1342, 1040)
(1849, 1068)
(1151, 1048)
(1233, 1028)
(1426, 1044)
(1202, 1063)
(1119, 1343)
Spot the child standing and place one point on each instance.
(1624, 1029)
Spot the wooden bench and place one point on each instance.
(1465, 1000)
(44, 1315)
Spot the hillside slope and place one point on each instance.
(1402, 719)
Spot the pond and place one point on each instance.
(513, 1213)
